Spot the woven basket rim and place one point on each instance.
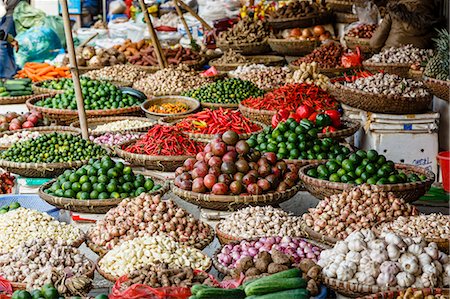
(219, 44)
(381, 64)
(45, 129)
(258, 111)
(386, 187)
(252, 59)
(342, 2)
(356, 38)
(225, 235)
(437, 81)
(195, 105)
(289, 41)
(386, 294)
(321, 238)
(356, 288)
(331, 69)
(108, 119)
(310, 17)
(25, 165)
(217, 105)
(14, 99)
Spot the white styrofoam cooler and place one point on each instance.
(410, 139)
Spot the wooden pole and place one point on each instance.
(180, 14)
(192, 12)
(74, 70)
(155, 41)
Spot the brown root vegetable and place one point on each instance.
(312, 287)
(280, 258)
(252, 272)
(314, 272)
(306, 264)
(262, 261)
(275, 268)
(244, 264)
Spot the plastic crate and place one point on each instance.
(30, 201)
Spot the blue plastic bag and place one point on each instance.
(37, 44)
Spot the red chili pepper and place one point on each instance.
(312, 117)
(328, 129)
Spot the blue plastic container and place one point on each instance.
(30, 201)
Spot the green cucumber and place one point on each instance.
(196, 288)
(291, 273)
(17, 82)
(275, 285)
(13, 87)
(19, 93)
(217, 293)
(289, 294)
(4, 94)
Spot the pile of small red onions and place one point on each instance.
(112, 139)
(362, 207)
(297, 248)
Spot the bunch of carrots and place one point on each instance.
(43, 71)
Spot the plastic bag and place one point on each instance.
(56, 24)
(37, 44)
(26, 17)
(367, 12)
(352, 59)
(116, 7)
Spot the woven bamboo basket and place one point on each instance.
(161, 163)
(41, 130)
(300, 22)
(262, 116)
(395, 294)
(318, 237)
(362, 43)
(192, 104)
(400, 69)
(225, 238)
(392, 104)
(410, 192)
(39, 170)
(97, 121)
(112, 278)
(292, 47)
(23, 286)
(99, 206)
(415, 74)
(84, 69)
(269, 60)
(349, 127)
(246, 48)
(14, 100)
(344, 17)
(234, 202)
(439, 88)
(340, 5)
(217, 105)
(329, 72)
(353, 290)
(194, 64)
(37, 89)
(65, 116)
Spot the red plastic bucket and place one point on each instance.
(444, 161)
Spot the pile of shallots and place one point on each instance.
(362, 207)
(147, 215)
(387, 261)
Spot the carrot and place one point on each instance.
(52, 73)
(45, 70)
(28, 73)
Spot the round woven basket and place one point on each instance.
(318, 237)
(192, 104)
(262, 116)
(161, 163)
(246, 48)
(65, 116)
(395, 294)
(292, 47)
(14, 100)
(439, 88)
(225, 238)
(41, 130)
(362, 43)
(269, 60)
(341, 5)
(345, 17)
(85, 69)
(392, 104)
(329, 72)
(415, 74)
(39, 170)
(37, 89)
(97, 121)
(400, 69)
(99, 206)
(234, 202)
(194, 64)
(349, 127)
(217, 105)
(410, 192)
(353, 290)
(23, 286)
(300, 22)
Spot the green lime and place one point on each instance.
(76, 186)
(290, 146)
(371, 169)
(119, 166)
(355, 159)
(128, 178)
(101, 187)
(251, 142)
(21, 294)
(67, 174)
(388, 168)
(365, 161)
(84, 179)
(59, 193)
(365, 176)
(422, 177)
(372, 155)
(70, 193)
(345, 150)
(381, 160)
(332, 166)
(322, 170)
(345, 178)
(149, 184)
(92, 171)
(361, 153)
(282, 127)
(312, 173)
(348, 165)
(128, 187)
(3, 211)
(403, 178)
(339, 159)
(359, 170)
(393, 179)
(112, 173)
(359, 181)
(382, 181)
(94, 194)
(351, 175)
(93, 179)
(139, 191)
(66, 186)
(115, 195)
(111, 187)
(101, 296)
(86, 187)
(74, 178)
(334, 178)
(81, 171)
(294, 153)
(14, 205)
(341, 172)
(372, 181)
(84, 195)
(36, 294)
(103, 179)
(103, 195)
(50, 293)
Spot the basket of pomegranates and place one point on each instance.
(229, 175)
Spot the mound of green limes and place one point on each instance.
(362, 167)
(293, 140)
(97, 95)
(60, 84)
(53, 148)
(228, 91)
(48, 291)
(101, 179)
(12, 206)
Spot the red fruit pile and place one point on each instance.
(6, 183)
(13, 121)
(228, 166)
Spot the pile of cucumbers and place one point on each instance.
(48, 291)
(15, 88)
(282, 285)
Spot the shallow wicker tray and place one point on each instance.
(439, 88)
(292, 47)
(269, 60)
(14, 100)
(42, 130)
(161, 163)
(353, 290)
(23, 286)
(415, 74)
(410, 192)
(329, 72)
(66, 116)
(39, 170)
(318, 237)
(234, 202)
(96, 121)
(301, 22)
(246, 48)
(262, 116)
(400, 69)
(197, 64)
(37, 89)
(99, 206)
(340, 5)
(192, 103)
(344, 17)
(394, 294)
(379, 103)
(225, 238)
(362, 43)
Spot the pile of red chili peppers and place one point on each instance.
(290, 96)
(165, 141)
(217, 122)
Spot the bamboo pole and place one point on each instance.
(180, 14)
(74, 70)
(192, 12)
(155, 41)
